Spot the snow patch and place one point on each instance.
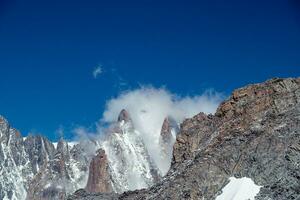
(70, 144)
(239, 189)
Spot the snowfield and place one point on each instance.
(239, 189)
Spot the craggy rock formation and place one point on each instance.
(99, 176)
(255, 134)
(34, 169)
(54, 169)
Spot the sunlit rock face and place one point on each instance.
(99, 174)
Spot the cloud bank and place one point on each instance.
(154, 104)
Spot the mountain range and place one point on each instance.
(248, 149)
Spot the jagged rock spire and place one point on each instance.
(124, 116)
(166, 141)
(99, 177)
(166, 130)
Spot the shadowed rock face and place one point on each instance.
(165, 133)
(59, 175)
(255, 134)
(167, 139)
(99, 177)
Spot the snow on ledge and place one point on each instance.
(239, 189)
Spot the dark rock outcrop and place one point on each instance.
(255, 134)
(99, 176)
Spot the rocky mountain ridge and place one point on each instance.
(254, 134)
(33, 168)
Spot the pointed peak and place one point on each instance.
(124, 116)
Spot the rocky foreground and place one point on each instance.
(254, 134)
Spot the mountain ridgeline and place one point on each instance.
(254, 135)
(33, 168)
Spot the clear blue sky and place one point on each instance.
(48, 50)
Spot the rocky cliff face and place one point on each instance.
(60, 175)
(254, 134)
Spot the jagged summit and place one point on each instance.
(123, 124)
(124, 116)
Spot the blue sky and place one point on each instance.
(49, 49)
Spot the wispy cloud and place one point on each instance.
(97, 71)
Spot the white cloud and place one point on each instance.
(157, 104)
(97, 71)
(149, 106)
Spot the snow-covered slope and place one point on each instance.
(239, 189)
(130, 165)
